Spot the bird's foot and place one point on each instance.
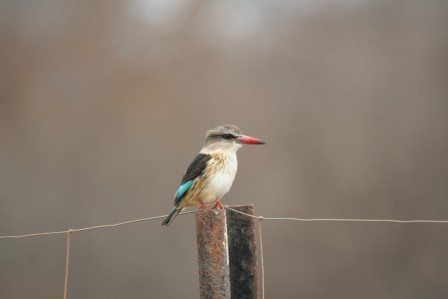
(218, 205)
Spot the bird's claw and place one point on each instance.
(218, 205)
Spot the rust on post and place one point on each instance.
(211, 227)
(242, 253)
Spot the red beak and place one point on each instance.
(250, 140)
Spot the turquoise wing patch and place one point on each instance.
(182, 190)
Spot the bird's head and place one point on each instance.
(228, 138)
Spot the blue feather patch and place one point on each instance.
(182, 189)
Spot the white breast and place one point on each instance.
(221, 182)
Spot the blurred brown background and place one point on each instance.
(103, 104)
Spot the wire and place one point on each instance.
(260, 220)
(89, 228)
(338, 219)
(69, 233)
(357, 220)
(67, 263)
(253, 216)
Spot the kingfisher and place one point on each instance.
(211, 173)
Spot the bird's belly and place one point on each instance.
(218, 186)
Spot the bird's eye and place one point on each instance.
(228, 136)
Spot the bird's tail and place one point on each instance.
(171, 216)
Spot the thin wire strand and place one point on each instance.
(261, 218)
(260, 231)
(67, 263)
(355, 220)
(69, 232)
(90, 228)
(253, 216)
(339, 219)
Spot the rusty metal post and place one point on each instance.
(213, 256)
(242, 253)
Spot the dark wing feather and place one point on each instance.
(196, 168)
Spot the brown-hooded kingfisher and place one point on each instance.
(211, 174)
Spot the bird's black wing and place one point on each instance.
(196, 167)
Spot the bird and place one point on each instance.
(211, 173)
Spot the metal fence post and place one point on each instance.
(226, 253)
(213, 256)
(242, 253)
